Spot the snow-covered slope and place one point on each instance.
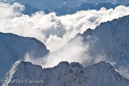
(65, 74)
(110, 40)
(13, 48)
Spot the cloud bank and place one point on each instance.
(54, 31)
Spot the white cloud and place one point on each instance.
(49, 27)
(56, 31)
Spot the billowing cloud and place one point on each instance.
(54, 31)
(74, 51)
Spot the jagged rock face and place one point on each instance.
(65, 74)
(13, 48)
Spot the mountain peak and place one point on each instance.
(63, 63)
(103, 64)
(75, 64)
(66, 74)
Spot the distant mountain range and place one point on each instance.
(53, 4)
(85, 6)
(69, 10)
(61, 8)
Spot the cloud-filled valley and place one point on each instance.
(58, 32)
